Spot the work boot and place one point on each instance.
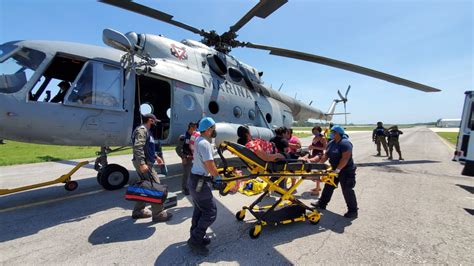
(318, 205)
(378, 153)
(206, 241)
(351, 214)
(185, 192)
(390, 158)
(162, 217)
(141, 214)
(199, 249)
(401, 159)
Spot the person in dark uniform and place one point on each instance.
(203, 171)
(393, 134)
(378, 136)
(339, 153)
(63, 87)
(144, 157)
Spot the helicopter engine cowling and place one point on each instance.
(228, 132)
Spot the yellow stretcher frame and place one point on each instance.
(265, 173)
(66, 178)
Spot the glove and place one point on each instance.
(217, 183)
(217, 179)
(337, 171)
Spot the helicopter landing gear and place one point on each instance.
(110, 176)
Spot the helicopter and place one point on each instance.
(110, 88)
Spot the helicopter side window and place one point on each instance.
(16, 70)
(99, 85)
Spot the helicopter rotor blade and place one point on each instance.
(340, 95)
(342, 65)
(152, 13)
(262, 10)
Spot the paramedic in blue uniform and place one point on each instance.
(339, 153)
(203, 171)
(144, 157)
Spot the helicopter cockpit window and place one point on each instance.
(16, 70)
(6, 48)
(55, 81)
(98, 85)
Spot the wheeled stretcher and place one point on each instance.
(287, 208)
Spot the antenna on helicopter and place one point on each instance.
(281, 86)
(295, 95)
(310, 102)
(343, 99)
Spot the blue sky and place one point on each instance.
(427, 41)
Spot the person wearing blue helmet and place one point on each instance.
(203, 171)
(339, 153)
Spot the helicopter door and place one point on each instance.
(188, 102)
(154, 97)
(96, 104)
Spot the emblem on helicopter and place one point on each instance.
(179, 52)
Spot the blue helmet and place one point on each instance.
(206, 123)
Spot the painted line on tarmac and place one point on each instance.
(64, 198)
(51, 201)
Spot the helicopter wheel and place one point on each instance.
(112, 177)
(71, 185)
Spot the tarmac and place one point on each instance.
(415, 211)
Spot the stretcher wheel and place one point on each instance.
(222, 192)
(71, 185)
(240, 215)
(255, 231)
(314, 217)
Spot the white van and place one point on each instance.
(465, 145)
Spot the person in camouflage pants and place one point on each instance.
(144, 157)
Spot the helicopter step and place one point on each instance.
(69, 185)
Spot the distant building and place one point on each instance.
(448, 122)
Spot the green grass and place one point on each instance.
(353, 128)
(302, 134)
(14, 152)
(449, 136)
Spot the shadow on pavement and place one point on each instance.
(467, 188)
(59, 206)
(231, 241)
(113, 231)
(395, 162)
(470, 211)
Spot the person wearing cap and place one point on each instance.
(378, 136)
(392, 137)
(144, 157)
(187, 156)
(63, 87)
(339, 153)
(203, 171)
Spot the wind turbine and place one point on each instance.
(343, 99)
